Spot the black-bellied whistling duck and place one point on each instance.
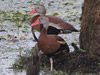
(51, 45)
(53, 20)
(63, 26)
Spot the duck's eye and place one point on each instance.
(41, 18)
(37, 7)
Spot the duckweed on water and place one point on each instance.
(55, 14)
(69, 3)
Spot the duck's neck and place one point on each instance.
(42, 14)
(43, 32)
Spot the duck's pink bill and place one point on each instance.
(36, 23)
(33, 11)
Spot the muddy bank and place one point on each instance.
(76, 62)
(68, 63)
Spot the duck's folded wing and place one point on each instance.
(60, 40)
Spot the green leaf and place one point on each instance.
(69, 3)
(55, 14)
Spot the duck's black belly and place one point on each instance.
(62, 49)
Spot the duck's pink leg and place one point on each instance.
(51, 63)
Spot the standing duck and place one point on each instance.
(61, 25)
(51, 45)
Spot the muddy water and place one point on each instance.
(11, 46)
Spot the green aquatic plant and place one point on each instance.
(69, 3)
(55, 14)
(19, 18)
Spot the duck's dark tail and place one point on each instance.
(66, 31)
(74, 30)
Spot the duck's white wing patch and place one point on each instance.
(55, 25)
(61, 42)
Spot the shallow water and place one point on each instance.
(11, 47)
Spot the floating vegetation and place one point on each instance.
(69, 3)
(55, 14)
